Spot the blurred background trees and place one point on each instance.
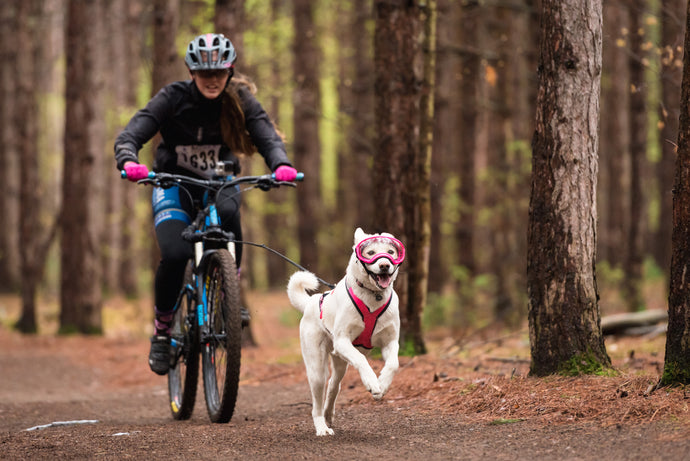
(314, 66)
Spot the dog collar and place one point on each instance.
(370, 318)
(372, 274)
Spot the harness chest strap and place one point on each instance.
(370, 319)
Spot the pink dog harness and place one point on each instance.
(370, 319)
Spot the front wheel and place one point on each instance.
(184, 372)
(221, 350)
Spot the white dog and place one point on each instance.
(360, 313)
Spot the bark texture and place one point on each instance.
(677, 358)
(563, 299)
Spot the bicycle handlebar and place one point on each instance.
(162, 179)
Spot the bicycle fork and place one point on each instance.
(212, 220)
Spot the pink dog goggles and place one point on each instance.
(366, 250)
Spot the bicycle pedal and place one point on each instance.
(245, 316)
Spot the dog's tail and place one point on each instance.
(299, 284)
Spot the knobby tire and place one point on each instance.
(183, 376)
(222, 351)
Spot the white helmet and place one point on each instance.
(210, 51)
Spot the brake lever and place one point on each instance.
(164, 183)
(266, 184)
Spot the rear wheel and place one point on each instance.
(183, 375)
(221, 350)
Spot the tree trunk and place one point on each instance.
(229, 20)
(116, 83)
(469, 80)
(446, 140)
(672, 31)
(638, 151)
(397, 111)
(307, 104)
(26, 126)
(500, 199)
(80, 296)
(418, 203)
(9, 156)
(132, 235)
(356, 105)
(279, 199)
(519, 126)
(563, 299)
(677, 358)
(615, 141)
(166, 60)
(166, 69)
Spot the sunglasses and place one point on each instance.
(366, 250)
(212, 73)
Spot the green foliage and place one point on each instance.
(609, 275)
(436, 310)
(651, 270)
(652, 28)
(203, 19)
(653, 208)
(585, 363)
(329, 126)
(502, 421)
(267, 46)
(407, 348)
(143, 93)
(375, 353)
(329, 138)
(68, 330)
(290, 318)
(452, 205)
(461, 309)
(521, 150)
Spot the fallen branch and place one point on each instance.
(632, 322)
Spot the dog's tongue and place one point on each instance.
(383, 280)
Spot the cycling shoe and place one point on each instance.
(159, 356)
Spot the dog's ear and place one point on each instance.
(359, 235)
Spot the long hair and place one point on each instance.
(232, 122)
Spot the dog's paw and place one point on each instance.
(376, 391)
(385, 383)
(321, 427)
(324, 431)
(379, 395)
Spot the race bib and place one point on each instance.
(198, 159)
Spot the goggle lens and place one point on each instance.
(369, 257)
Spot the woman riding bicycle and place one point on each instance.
(209, 118)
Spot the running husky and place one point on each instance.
(360, 313)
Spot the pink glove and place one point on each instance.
(285, 173)
(136, 171)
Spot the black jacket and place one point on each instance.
(189, 125)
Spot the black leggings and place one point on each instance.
(170, 221)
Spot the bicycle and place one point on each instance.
(207, 318)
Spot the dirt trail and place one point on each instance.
(438, 408)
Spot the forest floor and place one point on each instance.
(468, 400)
